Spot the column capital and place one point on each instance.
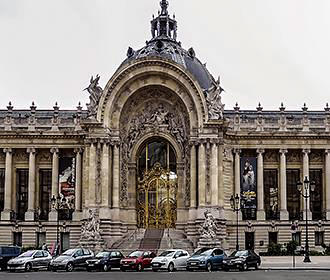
(54, 150)
(8, 150)
(31, 150)
(260, 151)
(306, 151)
(237, 151)
(79, 150)
(327, 151)
(283, 151)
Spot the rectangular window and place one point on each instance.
(316, 196)
(319, 238)
(271, 194)
(293, 195)
(45, 178)
(22, 193)
(2, 189)
(17, 239)
(65, 241)
(40, 239)
(272, 238)
(297, 237)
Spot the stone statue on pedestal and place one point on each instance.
(95, 92)
(208, 232)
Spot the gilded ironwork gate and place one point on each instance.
(156, 199)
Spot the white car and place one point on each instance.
(171, 260)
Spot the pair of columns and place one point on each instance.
(284, 215)
(104, 177)
(30, 214)
(208, 185)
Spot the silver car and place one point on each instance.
(30, 260)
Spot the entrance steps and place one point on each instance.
(154, 240)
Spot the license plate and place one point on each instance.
(155, 264)
(193, 263)
(91, 264)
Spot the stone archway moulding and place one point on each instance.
(150, 72)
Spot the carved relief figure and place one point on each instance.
(209, 228)
(90, 229)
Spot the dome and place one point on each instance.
(164, 44)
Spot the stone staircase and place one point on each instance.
(154, 240)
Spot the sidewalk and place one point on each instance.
(286, 263)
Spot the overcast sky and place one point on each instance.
(270, 51)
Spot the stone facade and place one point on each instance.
(157, 97)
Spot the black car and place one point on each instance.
(242, 260)
(7, 253)
(105, 261)
(71, 259)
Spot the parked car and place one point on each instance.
(30, 260)
(206, 259)
(105, 261)
(137, 260)
(7, 253)
(171, 260)
(242, 260)
(71, 259)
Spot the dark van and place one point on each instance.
(7, 253)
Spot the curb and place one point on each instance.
(294, 268)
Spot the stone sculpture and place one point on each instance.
(90, 229)
(213, 101)
(209, 227)
(95, 92)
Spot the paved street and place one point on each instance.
(255, 275)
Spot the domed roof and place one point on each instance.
(164, 44)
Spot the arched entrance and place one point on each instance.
(157, 185)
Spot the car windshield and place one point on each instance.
(167, 254)
(239, 254)
(103, 255)
(68, 252)
(203, 252)
(27, 254)
(136, 254)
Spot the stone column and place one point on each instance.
(327, 183)
(92, 175)
(105, 182)
(193, 177)
(77, 215)
(116, 177)
(5, 215)
(201, 174)
(306, 153)
(52, 216)
(214, 174)
(260, 188)
(29, 215)
(284, 215)
(237, 176)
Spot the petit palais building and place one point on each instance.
(156, 149)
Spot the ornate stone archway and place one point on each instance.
(153, 112)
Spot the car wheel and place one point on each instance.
(105, 268)
(54, 269)
(28, 267)
(256, 266)
(245, 267)
(171, 267)
(209, 267)
(139, 267)
(69, 267)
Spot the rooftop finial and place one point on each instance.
(164, 5)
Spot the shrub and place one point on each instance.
(291, 247)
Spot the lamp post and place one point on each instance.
(305, 190)
(56, 203)
(235, 205)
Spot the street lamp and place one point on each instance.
(56, 203)
(235, 205)
(305, 190)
